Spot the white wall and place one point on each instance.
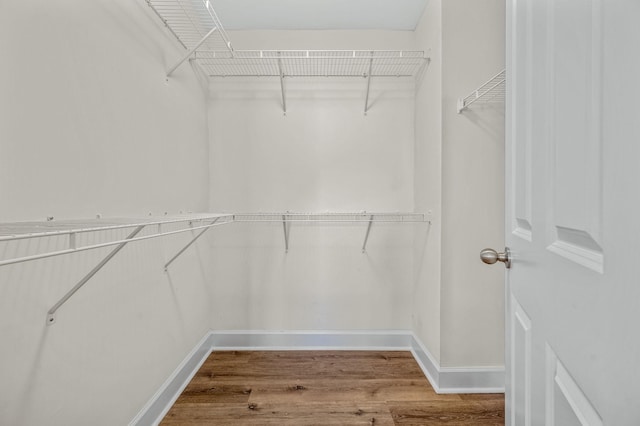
(472, 310)
(89, 125)
(459, 167)
(428, 181)
(322, 40)
(324, 155)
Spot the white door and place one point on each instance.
(573, 212)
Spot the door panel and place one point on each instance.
(521, 78)
(521, 367)
(566, 405)
(575, 91)
(572, 197)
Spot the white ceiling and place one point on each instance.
(319, 14)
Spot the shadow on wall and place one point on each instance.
(488, 118)
(27, 398)
(421, 238)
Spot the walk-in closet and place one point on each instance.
(189, 184)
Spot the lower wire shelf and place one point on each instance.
(71, 230)
(185, 223)
(361, 217)
(358, 217)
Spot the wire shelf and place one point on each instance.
(190, 21)
(187, 223)
(361, 217)
(25, 230)
(195, 24)
(70, 230)
(493, 91)
(310, 63)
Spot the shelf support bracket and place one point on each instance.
(284, 98)
(193, 240)
(366, 99)
(51, 315)
(285, 227)
(366, 237)
(190, 52)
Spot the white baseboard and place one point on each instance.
(457, 379)
(443, 380)
(310, 340)
(160, 403)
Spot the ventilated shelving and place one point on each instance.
(71, 230)
(196, 224)
(490, 92)
(197, 27)
(287, 218)
(329, 217)
(194, 23)
(310, 63)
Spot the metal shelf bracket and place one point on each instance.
(368, 76)
(284, 98)
(191, 51)
(366, 237)
(51, 315)
(193, 240)
(286, 227)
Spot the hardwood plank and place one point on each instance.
(481, 396)
(224, 361)
(214, 394)
(345, 413)
(327, 390)
(313, 364)
(450, 413)
(338, 389)
(324, 388)
(490, 401)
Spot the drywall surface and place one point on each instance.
(459, 164)
(472, 301)
(323, 40)
(89, 125)
(324, 155)
(428, 182)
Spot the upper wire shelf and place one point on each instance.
(492, 91)
(311, 63)
(190, 21)
(195, 24)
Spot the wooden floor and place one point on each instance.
(323, 388)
